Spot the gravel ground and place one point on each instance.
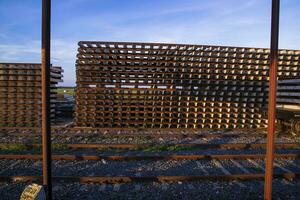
(143, 168)
(283, 189)
(253, 190)
(147, 152)
(163, 137)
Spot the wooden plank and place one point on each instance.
(174, 85)
(20, 86)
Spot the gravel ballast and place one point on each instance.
(250, 189)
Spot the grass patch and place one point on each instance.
(112, 150)
(15, 147)
(12, 148)
(59, 146)
(158, 148)
(148, 148)
(121, 136)
(66, 90)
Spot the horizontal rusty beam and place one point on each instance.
(146, 145)
(148, 157)
(207, 146)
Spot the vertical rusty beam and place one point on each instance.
(272, 99)
(46, 126)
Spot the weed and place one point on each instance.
(59, 146)
(158, 148)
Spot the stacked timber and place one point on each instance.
(289, 92)
(20, 94)
(288, 105)
(146, 85)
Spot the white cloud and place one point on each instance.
(63, 50)
(16, 52)
(60, 51)
(218, 22)
(63, 54)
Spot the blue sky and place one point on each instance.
(217, 22)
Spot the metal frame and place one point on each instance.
(46, 127)
(46, 120)
(272, 99)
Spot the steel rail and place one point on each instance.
(148, 157)
(152, 135)
(147, 145)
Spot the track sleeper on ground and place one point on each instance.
(293, 164)
(116, 187)
(200, 166)
(225, 171)
(190, 186)
(240, 166)
(281, 167)
(137, 187)
(256, 164)
(164, 186)
(287, 182)
(220, 166)
(102, 187)
(138, 174)
(10, 166)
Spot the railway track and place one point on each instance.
(224, 174)
(250, 157)
(111, 175)
(225, 166)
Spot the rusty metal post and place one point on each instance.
(272, 99)
(46, 126)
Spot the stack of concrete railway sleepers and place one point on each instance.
(20, 94)
(288, 104)
(153, 85)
